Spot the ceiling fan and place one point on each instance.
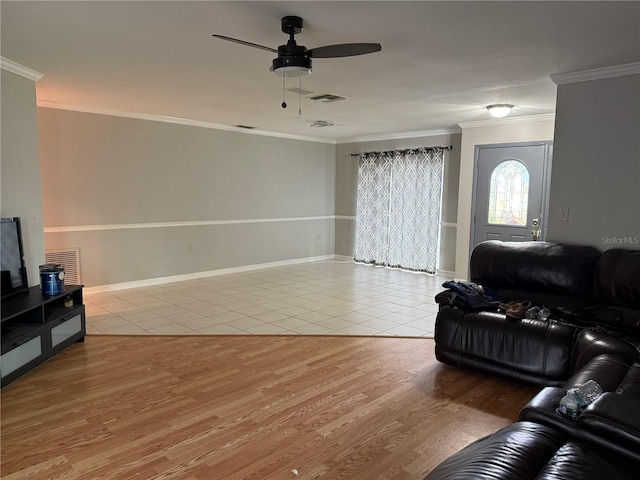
(295, 60)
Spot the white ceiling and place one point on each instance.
(441, 62)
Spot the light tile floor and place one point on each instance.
(332, 297)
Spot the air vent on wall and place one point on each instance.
(70, 260)
(327, 98)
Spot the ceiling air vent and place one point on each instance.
(300, 91)
(322, 123)
(246, 127)
(327, 98)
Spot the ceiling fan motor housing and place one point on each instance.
(291, 55)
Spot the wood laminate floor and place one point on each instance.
(246, 407)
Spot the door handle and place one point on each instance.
(535, 230)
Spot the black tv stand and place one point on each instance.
(35, 327)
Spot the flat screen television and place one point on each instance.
(13, 269)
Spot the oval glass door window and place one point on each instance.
(508, 194)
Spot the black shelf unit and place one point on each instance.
(35, 327)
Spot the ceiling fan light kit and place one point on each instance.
(500, 110)
(291, 67)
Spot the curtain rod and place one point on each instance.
(408, 150)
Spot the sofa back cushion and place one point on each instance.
(618, 289)
(555, 275)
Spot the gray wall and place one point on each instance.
(144, 199)
(347, 183)
(596, 164)
(20, 172)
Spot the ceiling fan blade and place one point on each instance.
(344, 50)
(248, 44)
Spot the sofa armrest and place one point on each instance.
(608, 370)
(543, 405)
(444, 298)
(543, 409)
(449, 298)
(592, 343)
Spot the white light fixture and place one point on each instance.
(292, 71)
(500, 110)
(291, 66)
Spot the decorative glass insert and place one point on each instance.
(509, 194)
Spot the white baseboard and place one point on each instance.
(343, 258)
(446, 273)
(193, 276)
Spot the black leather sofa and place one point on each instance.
(595, 298)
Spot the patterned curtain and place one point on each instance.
(398, 208)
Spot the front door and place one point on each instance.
(511, 195)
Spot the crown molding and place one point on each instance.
(596, 74)
(217, 126)
(508, 121)
(401, 135)
(177, 120)
(13, 67)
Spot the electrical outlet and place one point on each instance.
(189, 248)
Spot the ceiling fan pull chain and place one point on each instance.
(299, 96)
(284, 103)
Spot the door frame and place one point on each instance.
(546, 180)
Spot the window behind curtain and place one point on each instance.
(399, 207)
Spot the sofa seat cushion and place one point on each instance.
(530, 351)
